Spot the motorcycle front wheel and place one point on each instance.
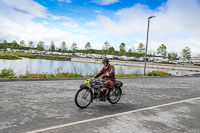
(83, 97)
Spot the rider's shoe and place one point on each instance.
(103, 99)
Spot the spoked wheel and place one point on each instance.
(114, 95)
(83, 97)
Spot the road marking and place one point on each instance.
(108, 116)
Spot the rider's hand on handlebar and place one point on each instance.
(103, 80)
(103, 76)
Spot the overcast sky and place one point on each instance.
(177, 22)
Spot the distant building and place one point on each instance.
(109, 56)
(195, 60)
(9, 49)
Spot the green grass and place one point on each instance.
(158, 73)
(17, 55)
(25, 55)
(9, 73)
(45, 75)
(72, 75)
(50, 57)
(8, 56)
(128, 75)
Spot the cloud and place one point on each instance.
(105, 2)
(70, 24)
(177, 24)
(92, 23)
(53, 17)
(67, 1)
(97, 11)
(29, 7)
(18, 24)
(44, 22)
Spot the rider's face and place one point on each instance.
(105, 64)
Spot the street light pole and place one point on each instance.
(145, 60)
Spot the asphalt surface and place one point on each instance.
(27, 106)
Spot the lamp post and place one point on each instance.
(145, 60)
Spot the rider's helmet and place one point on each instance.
(105, 60)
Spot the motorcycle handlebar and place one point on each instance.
(96, 79)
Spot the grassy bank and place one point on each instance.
(17, 55)
(25, 55)
(8, 56)
(9, 73)
(49, 57)
(158, 73)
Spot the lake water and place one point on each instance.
(49, 66)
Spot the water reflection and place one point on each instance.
(26, 65)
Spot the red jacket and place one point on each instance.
(108, 74)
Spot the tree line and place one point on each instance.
(107, 49)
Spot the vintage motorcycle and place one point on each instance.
(93, 90)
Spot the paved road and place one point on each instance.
(29, 106)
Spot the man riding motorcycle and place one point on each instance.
(108, 72)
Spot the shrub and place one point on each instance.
(7, 73)
(158, 73)
(127, 75)
(89, 75)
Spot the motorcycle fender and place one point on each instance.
(120, 89)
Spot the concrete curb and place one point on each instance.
(50, 79)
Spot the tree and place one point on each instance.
(5, 42)
(30, 44)
(133, 50)
(59, 50)
(186, 53)
(111, 51)
(87, 46)
(105, 49)
(63, 46)
(141, 48)
(14, 42)
(106, 45)
(172, 56)
(74, 47)
(162, 50)
(154, 54)
(40, 45)
(52, 46)
(130, 50)
(122, 50)
(22, 43)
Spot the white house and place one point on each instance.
(123, 57)
(109, 56)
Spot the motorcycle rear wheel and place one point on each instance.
(114, 95)
(83, 97)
